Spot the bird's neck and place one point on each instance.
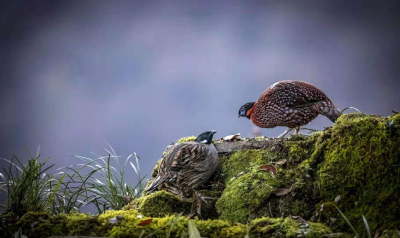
(248, 113)
(204, 140)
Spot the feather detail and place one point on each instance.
(291, 104)
(185, 167)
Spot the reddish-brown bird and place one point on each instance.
(289, 103)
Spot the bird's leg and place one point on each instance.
(297, 130)
(282, 136)
(196, 205)
(198, 198)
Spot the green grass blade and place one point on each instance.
(366, 226)
(51, 198)
(12, 164)
(347, 220)
(192, 230)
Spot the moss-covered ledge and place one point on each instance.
(291, 189)
(356, 160)
(130, 224)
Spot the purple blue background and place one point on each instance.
(141, 74)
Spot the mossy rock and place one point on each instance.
(130, 224)
(287, 227)
(41, 224)
(161, 204)
(246, 194)
(361, 164)
(250, 190)
(358, 158)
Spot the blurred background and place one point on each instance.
(76, 75)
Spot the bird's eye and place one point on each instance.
(242, 111)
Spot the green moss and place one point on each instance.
(80, 223)
(41, 224)
(358, 159)
(361, 164)
(186, 139)
(286, 227)
(241, 161)
(162, 203)
(220, 228)
(246, 194)
(37, 223)
(249, 191)
(155, 170)
(130, 224)
(169, 226)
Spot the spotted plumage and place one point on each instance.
(187, 166)
(291, 104)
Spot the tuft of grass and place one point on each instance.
(108, 185)
(32, 187)
(72, 192)
(29, 187)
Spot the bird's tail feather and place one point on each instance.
(155, 184)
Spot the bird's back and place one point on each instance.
(187, 166)
(291, 103)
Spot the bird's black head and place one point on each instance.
(206, 137)
(245, 110)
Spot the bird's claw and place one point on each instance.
(204, 199)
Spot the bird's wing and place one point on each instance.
(306, 104)
(179, 161)
(165, 168)
(296, 95)
(188, 155)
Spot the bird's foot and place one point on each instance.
(204, 199)
(198, 198)
(282, 136)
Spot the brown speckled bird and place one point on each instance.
(187, 166)
(289, 103)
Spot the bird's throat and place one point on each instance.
(248, 113)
